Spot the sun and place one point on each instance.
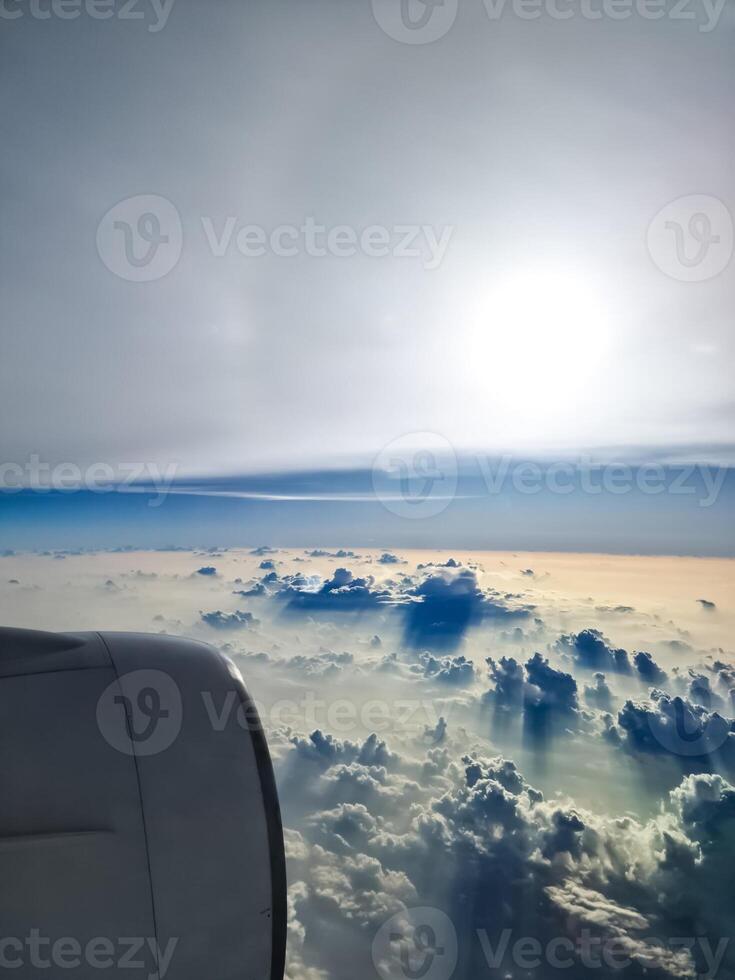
(537, 334)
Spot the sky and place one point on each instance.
(528, 164)
(609, 509)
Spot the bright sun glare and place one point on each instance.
(536, 335)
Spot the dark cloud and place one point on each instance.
(321, 553)
(591, 649)
(258, 589)
(207, 570)
(648, 670)
(509, 678)
(446, 670)
(687, 733)
(445, 605)
(724, 679)
(544, 699)
(700, 691)
(327, 750)
(599, 696)
(706, 604)
(550, 704)
(342, 593)
(229, 621)
(549, 689)
(438, 733)
(449, 563)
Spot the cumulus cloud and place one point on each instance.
(229, 621)
(390, 559)
(648, 670)
(446, 670)
(509, 678)
(556, 870)
(622, 931)
(296, 968)
(599, 695)
(692, 737)
(256, 590)
(445, 605)
(438, 733)
(724, 681)
(549, 689)
(700, 690)
(589, 648)
(543, 697)
(344, 592)
(449, 563)
(327, 750)
(324, 664)
(321, 553)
